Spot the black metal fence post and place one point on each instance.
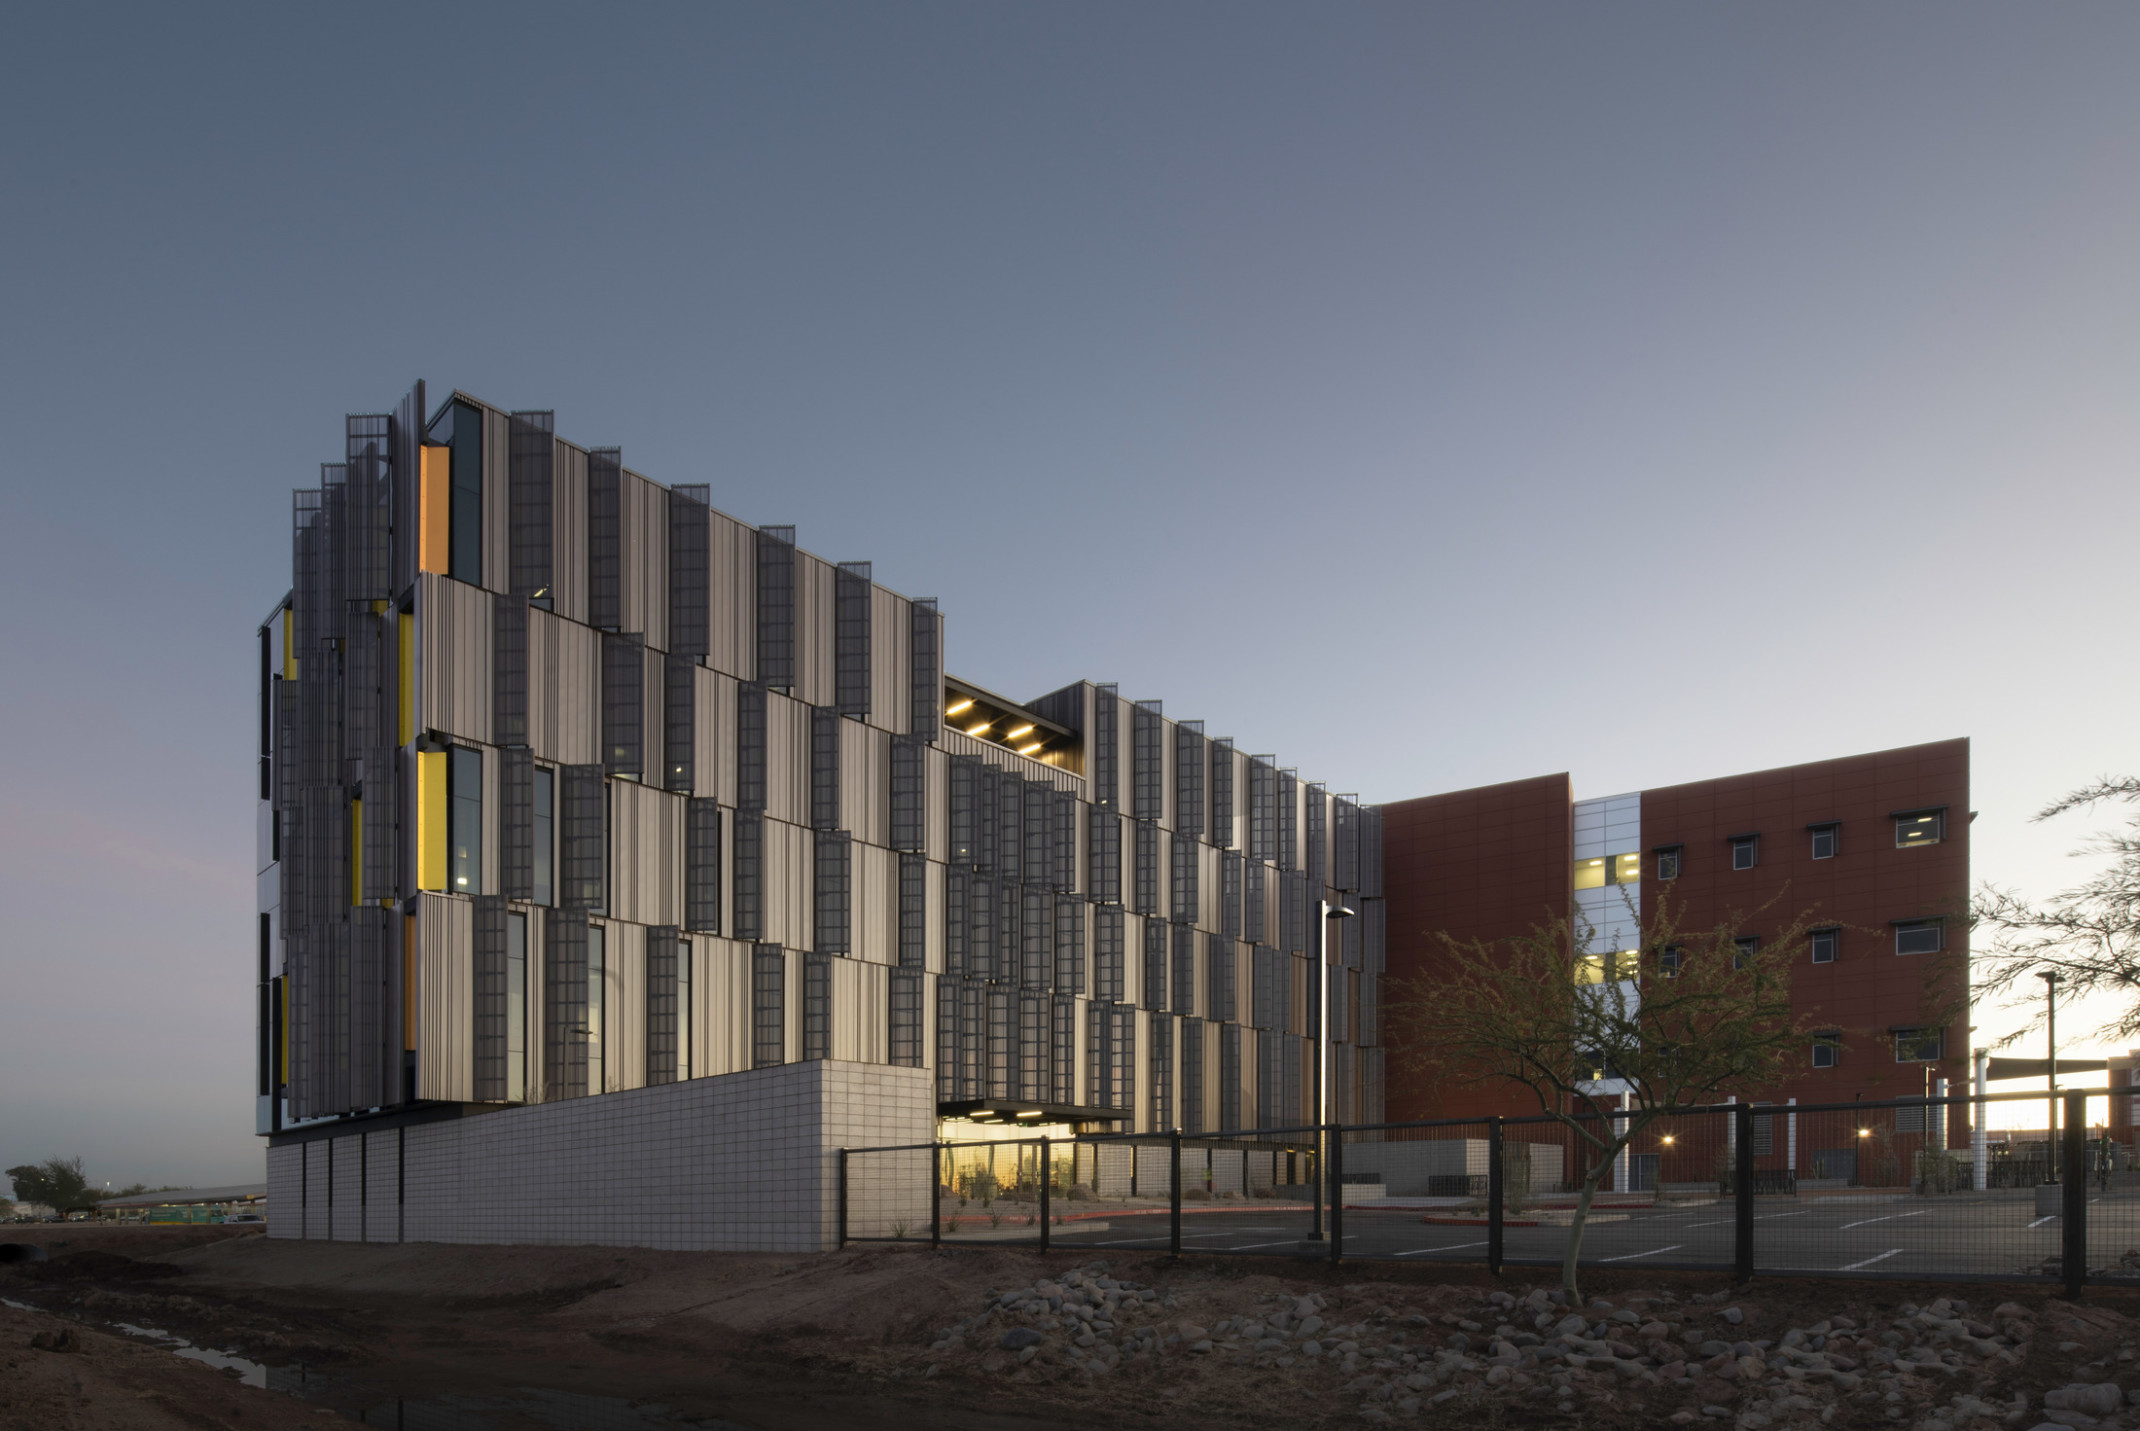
(1174, 1196)
(843, 1201)
(2073, 1253)
(1496, 1191)
(1337, 1191)
(1742, 1132)
(1047, 1175)
(936, 1202)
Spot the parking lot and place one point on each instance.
(1965, 1235)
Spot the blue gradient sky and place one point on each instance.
(1651, 392)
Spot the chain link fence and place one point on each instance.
(1979, 1188)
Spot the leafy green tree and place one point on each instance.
(58, 1183)
(1684, 1019)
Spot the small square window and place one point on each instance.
(1669, 960)
(1668, 863)
(1745, 851)
(1590, 874)
(1919, 1045)
(1920, 827)
(1824, 841)
(1626, 869)
(1822, 943)
(1827, 1048)
(1743, 951)
(1919, 936)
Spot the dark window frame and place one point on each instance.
(1833, 936)
(1749, 846)
(1833, 831)
(1670, 860)
(1937, 928)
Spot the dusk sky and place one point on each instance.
(1431, 395)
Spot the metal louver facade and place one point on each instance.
(574, 785)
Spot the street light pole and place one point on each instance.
(1319, 1095)
(2050, 1017)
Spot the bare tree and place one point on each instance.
(2089, 935)
(1686, 1017)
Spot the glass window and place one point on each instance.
(516, 1008)
(464, 802)
(1596, 968)
(1827, 1048)
(1627, 869)
(1927, 827)
(545, 836)
(1919, 1045)
(1743, 950)
(597, 956)
(1668, 863)
(1922, 936)
(1670, 960)
(1823, 943)
(1824, 841)
(1745, 851)
(1590, 874)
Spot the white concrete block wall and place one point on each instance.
(346, 1184)
(286, 1192)
(382, 1186)
(744, 1162)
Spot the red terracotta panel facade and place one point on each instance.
(1494, 861)
(1478, 864)
(1869, 990)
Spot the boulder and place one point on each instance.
(1019, 1338)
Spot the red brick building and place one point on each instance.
(1877, 846)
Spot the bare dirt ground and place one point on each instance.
(973, 1339)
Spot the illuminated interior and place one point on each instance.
(1624, 964)
(987, 716)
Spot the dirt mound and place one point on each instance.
(93, 1264)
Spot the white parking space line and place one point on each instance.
(2042, 1220)
(1870, 1260)
(1868, 1222)
(1764, 1217)
(1631, 1256)
(1453, 1247)
(1254, 1245)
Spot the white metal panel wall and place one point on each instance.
(626, 1006)
(568, 532)
(445, 999)
(564, 690)
(643, 541)
(866, 782)
(874, 916)
(713, 768)
(891, 648)
(646, 860)
(453, 657)
(813, 629)
(732, 591)
(787, 759)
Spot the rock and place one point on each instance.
(61, 1340)
(1733, 1315)
(1311, 1347)
(1018, 1338)
(2098, 1400)
(1190, 1331)
(1442, 1396)
(1201, 1347)
(1498, 1376)
(1310, 1325)
(1685, 1418)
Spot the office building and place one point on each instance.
(621, 861)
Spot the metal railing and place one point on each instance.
(1908, 1188)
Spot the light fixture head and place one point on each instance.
(1341, 911)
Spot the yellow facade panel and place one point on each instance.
(405, 649)
(431, 820)
(289, 649)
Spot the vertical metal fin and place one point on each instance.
(605, 561)
(661, 1004)
(530, 497)
(776, 606)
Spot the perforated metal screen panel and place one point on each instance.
(851, 638)
(1145, 866)
(750, 746)
(905, 1033)
(702, 866)
(913, 911)
(1189, 763)
(583, 837)
(509, 670)
(1147, 731)
(1155, 964)
(489, 990)
(909, 807)
(530, 499)
(749, 836)
(824, 768)
(817, 1007)
(605, 554)
(1222, 796)
(834, 887)
(926, 676)
(661, 992)
(1103, 760)
(516, 823)
(769, 995)
(623, 703)
(690, 537)
(564, 1005)
(1104, 868)
(776, 606)
(679, 729)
